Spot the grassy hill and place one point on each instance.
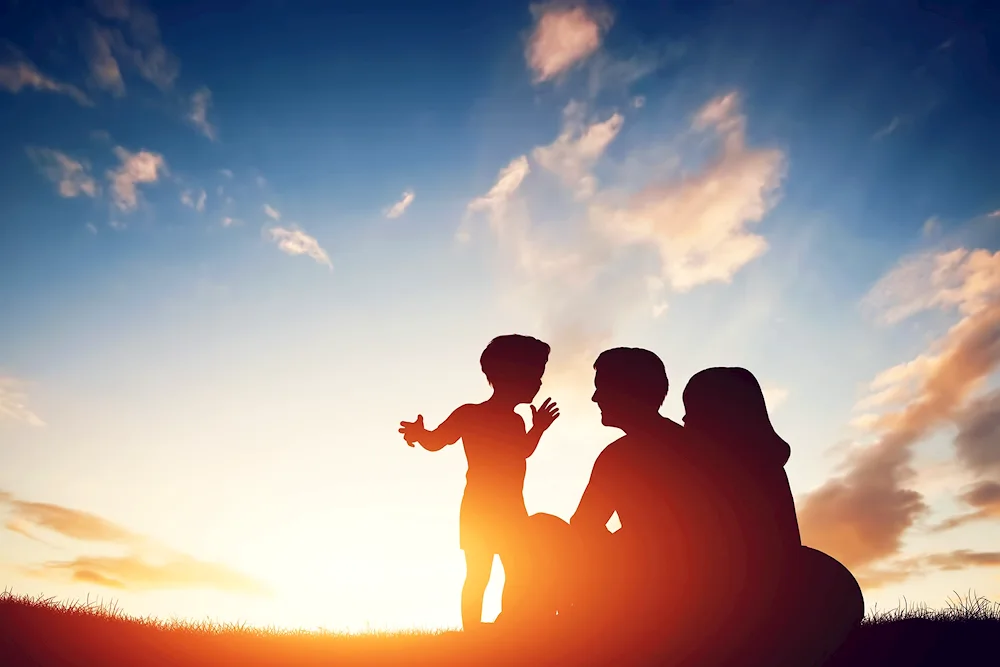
(44, 632)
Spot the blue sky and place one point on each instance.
(724, 183)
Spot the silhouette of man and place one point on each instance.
(648, 479)
(492, 516)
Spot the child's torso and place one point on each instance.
(494, 449)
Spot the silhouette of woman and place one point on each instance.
(774, 598)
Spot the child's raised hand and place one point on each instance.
(544, 416)
(412, 431)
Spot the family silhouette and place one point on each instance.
(708, 565)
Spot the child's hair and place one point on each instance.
(512, 355)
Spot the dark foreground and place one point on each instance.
(41, 632)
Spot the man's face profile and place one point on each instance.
(609, 398)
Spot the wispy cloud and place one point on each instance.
(271, 212)
(994, 214)
(194, 199)
(72, 177)
(400, 207)
(136, 168)
(201, 101)
(13, 405)
(931, 226)
(861, 516)
(98, 49)
(700, 224)
(228, 173)
(17, 73)
(578, 146)
(139, 45)
(563, 36)
(697, 224)
(148, 565)
(495, 201)
(888, 128)
(294, 241)
(230, 222)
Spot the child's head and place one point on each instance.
(514, 364)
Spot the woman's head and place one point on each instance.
(727, 405)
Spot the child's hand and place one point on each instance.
(543, 417)
(412, 431)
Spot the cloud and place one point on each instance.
(142, 167)
(400, 207)
(774, 397)
(228, 173)
(699, 224)
(578, 146)
(272, 213)
(639, 101)
(861, 516)
(19, 73)
(142, 48)
(147, 565)
(931, 226)
(12, 403)
(294, 241)
(888, 128)
(105, 72)
(91, 228)
(563, 36)
(189, 199)
(961, 559)
(136, 573)
(75, 524)
(230, 222)
(494, 202)
(994, 214)
(198, 115)
(584, 272)
(72, 178)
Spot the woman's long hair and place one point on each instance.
(727, 404)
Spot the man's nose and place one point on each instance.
(594, 397)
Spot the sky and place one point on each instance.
(240, 242)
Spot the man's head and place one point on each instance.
(514, 365)
(630, 386)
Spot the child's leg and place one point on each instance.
(478, 565)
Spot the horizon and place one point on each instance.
(244, 244)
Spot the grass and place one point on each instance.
(41, 631)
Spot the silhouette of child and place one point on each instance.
(493, 514)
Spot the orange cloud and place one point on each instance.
(699, 225)
(147, 566)
(136, 573)
(19, 73)
(142, 167)
(71, 176)
(563, 37)
(860, 517)
(577, 148)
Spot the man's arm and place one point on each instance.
(597, 504)
(448, 433)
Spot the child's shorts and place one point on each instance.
(488, 528)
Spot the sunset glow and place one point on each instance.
(238, 247)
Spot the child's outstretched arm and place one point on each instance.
(448, 433)
(541, 420)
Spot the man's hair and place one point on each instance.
(512, 355)
(639, 372)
